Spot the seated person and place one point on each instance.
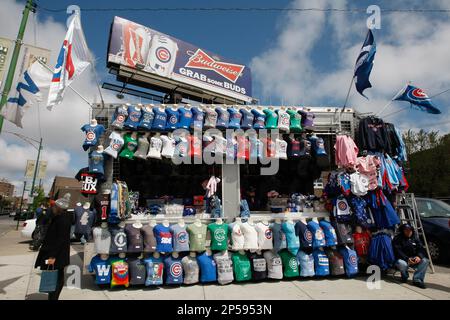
(410, 252)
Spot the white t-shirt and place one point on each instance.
(115, 144)
(155, 148)
(142, 149)
(274, 265)
(283, 120)
(220, 145)
(265, 238)
(102, 240)
(181, 146)
(210, 118)
(250, 236)
(168, 146)
(359, 184)
(280, 149)
(237, 237)
(224, 267)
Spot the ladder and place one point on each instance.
(408, 213)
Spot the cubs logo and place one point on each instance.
(268, 234)
(342, 205)
(173, 120)
(419, 94)
(115, 146)
(293, 264)
(219, 234)
(176, 269)
(163, 54)
(182, 237)
(120, 118)
(90, 136)
(308, 236)
(319, 235)
(352, 259)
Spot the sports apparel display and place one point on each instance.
(247, 119)
(321, 263)
(250, 236)
(195, 146)
(210, 118)
(259, 266)
(362, 243)
(129, 148)
(346, 151)
(231, 150)
(242, 267)
(102, 240)
(223, 118)
(146, 119)
(235, 118)
(168, 146)
(369, 167)
(259, 119)
(284, 120)
(101, 204)
(208, 270)
(149, 238)
(237, 237)
(119, 117)
(182, 146)
(359, 184)
(336, 262)
(343, 232)
(172, 119)
(306, 264)
(342, 211)
(136, 270)
(135, 240)
(219, 236)
(163, 238)
(134, 118)
(197, 236)
(318, 235)
(173, 269)
(155, 271)
(102, 269)
(350, 261)
(115, 144)
(224, 265)
(279, 237)
(329, 232)
(292, 240)
(93, 134)
(274, 265)
(155, 148)
(305, 236)
(264, 236)
(198, 116)
(120, 276)
(280, 149)
(160, 119)
(271, 119)
(290, 265)
(191, 270)
(180, 238)
(143, 146)
(185, 118)
(118, 240)
(295, 125)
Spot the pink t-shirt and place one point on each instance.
(346, 151)
(369, 166)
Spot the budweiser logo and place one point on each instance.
(202, 60)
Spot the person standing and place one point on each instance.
(55, 249)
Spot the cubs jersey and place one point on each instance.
(174, 270)
(93, 134)
(134, 118)
(321, 263)
(155, 271)
(162, 55)
(180, 238)
(264, 236)
(318, 235)
(219, 236)
(350, 261)
(159, 120)
(247, 119)
(305, 235)
(172, 119)
(259, 119)
(329, 232)
(198, 116)
(163, 238)
(115, 145)
(146, 119)
(119, 117)
(208, 270)
(102, 269)
(185, 118)
(235, 118)
(223, 118)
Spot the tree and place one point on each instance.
(420, 140)
(39, 199)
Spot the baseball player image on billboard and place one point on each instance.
(136, 43)
(162, 55)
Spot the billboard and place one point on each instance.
(163, 56)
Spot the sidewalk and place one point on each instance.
(19, 280)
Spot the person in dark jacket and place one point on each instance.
(410, 253)
(55, 249)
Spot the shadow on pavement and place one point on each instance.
(37, 296)
(7, 282)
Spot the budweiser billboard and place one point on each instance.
(155, 53)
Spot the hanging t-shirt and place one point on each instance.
(143, 146)
(305, 235)
(223, 118)
(242, 267)
(163, 238)
(292, 240)
(220, 145)
(198, 116)
(168, 146)
(102, 240)
(294, 148)
(185, 118)
(274, 265)
(149, 238)
(242, 147)
(84, 219)
(181, 147)
(307, 119)
(362, 243)
(318, 235)
(136, 269)
(174, 270)
(102, 269)
(271, 119)
(93, 134)
(290, 265)
(195, 146)
(101, 204)
(265, 237)
(191, 270)
(159, 120)
(224, 267)
(359, 184)
(119, 117)
(284, 120)
(146, 119)
(130, 146)
(306, 264)
(350, 261)
(321, 263)
(118, 240)
(231, 148)
(134, 238)
(280, 149)
(250, 236)
(253, 146)
(259, 266)
(343, 232)
(134, 118)
(120, 275)
(235, 118)
(219, 236)
(237, 237)
(336, 262)
(155, 148)
(270, 147)
(115, 144)
(329, 232)
(247, 119)
(172, 119)
(180, 238)
(210, 118)
(155, 271)
(260, 119)
(279, 237)
(197, 236)
(295, 121)
(208, 270)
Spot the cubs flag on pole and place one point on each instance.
(364, 64)
(73, 59)
(418, 98)
(32, 88)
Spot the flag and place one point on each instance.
(418, 98)
(31, 89)
(73, 59)
(364, 64)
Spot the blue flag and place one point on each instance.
(364, 64)
(418, 98)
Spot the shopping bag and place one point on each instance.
(49, 279)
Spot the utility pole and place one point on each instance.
(20, 207)
(36, 168)
(29, 6)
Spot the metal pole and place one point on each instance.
(20, 207)
(15, 56)
(36, 168)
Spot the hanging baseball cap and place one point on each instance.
(63, 202)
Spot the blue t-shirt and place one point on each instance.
(259, 119)
(321, 263)
(305, 236)
(185, 118)
(318, 235)
(350, 261)
(172, 119)
(253, 145)
(159, 121)
(134, 118)
(235, 118)
(247, 119)
(155, 271)
(96, 162)
(174, 270)
(306, 264)
(93, 133)
(163, 238)
(119, 117)
(279, 237)
(223, 118)
(330, 233)
(146, 119)
(102, 269)
(198, 116)
(317, 145)
(208, 269)
(293, 243)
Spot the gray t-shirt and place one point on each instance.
(143, 146)
(191, 270)
(136, 270)
(135, 240)
(180, 238)
(102, 240)
(118, 240)
(279, 237)
(274, 265)
(224, 267)
(149, 238)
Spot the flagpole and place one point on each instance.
(390, 102)
(348, 94)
